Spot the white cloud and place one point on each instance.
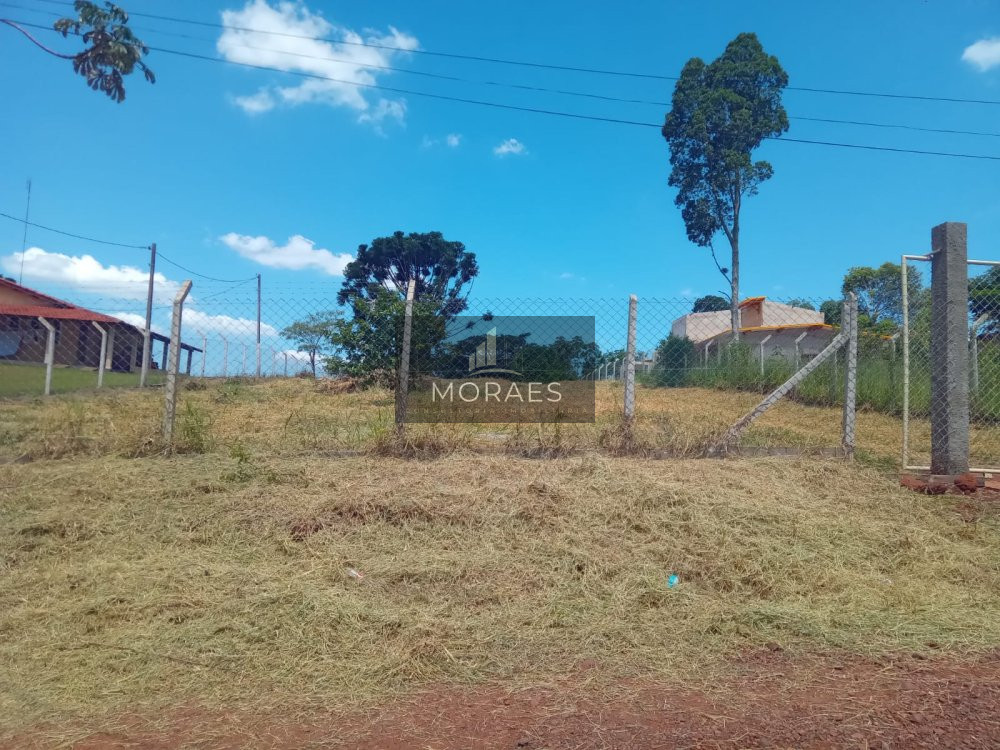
(687, 292)
(385, 109)
(256, 104)
(287, 49)
(84, 273)
(510, 147)
(569, 276)
(452, 140)
(224, 325)
(984, 54)
(297, 254)
(139, 321)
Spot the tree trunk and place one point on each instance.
(312, 362)
(734, 294)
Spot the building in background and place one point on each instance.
(77, 339)
(773, 328)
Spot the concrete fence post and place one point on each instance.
(50, 353)
(204, 353)
(102, 361)
(403, 386)
(798, 350)
(849, 322)
(762, 342)
(225, 355)
(170, 397)
(633, 303)
(948, 352)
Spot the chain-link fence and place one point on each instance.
(693, 377)
(911, 391)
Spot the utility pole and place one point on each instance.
(146, 343)
(258, 325)
(24, 237)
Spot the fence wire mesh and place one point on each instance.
(694, 378)
(983, 328)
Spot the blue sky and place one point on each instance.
(568, 208)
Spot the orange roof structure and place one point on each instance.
(50, 307)
(748, 329)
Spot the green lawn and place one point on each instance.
(29, 379)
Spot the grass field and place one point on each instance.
(29, 379)
(296, 417)
(131, 582)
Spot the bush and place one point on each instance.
(674, 356)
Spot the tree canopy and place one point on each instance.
(442, 269)
(801, 303)
(720, 113)
(880, 294)
(314, 334)
(710, 303)
(112, 50)
(374, 289)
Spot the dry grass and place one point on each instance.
(218, 576)
(302, 417)
(222, 579)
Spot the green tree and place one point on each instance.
(374, 289)
(880, 294)
(710, 303)
(112, 51)
(314, 335)
(831, 310)
(800, 303)
(720, 113)
(442, 269)
(368, 343)
(673, 357)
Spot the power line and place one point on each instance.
(75, 236)
(227, 290)
(122, 244)
(557, 113)
(896, 125)
(524, 87)
(523, 63)
(161, 256)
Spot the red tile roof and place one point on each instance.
(57, 313)
(50, 307)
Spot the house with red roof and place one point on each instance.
(27, 314)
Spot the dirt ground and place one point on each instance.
(774, 701)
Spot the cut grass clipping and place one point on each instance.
(223, 579)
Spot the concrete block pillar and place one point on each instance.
(949, 353)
